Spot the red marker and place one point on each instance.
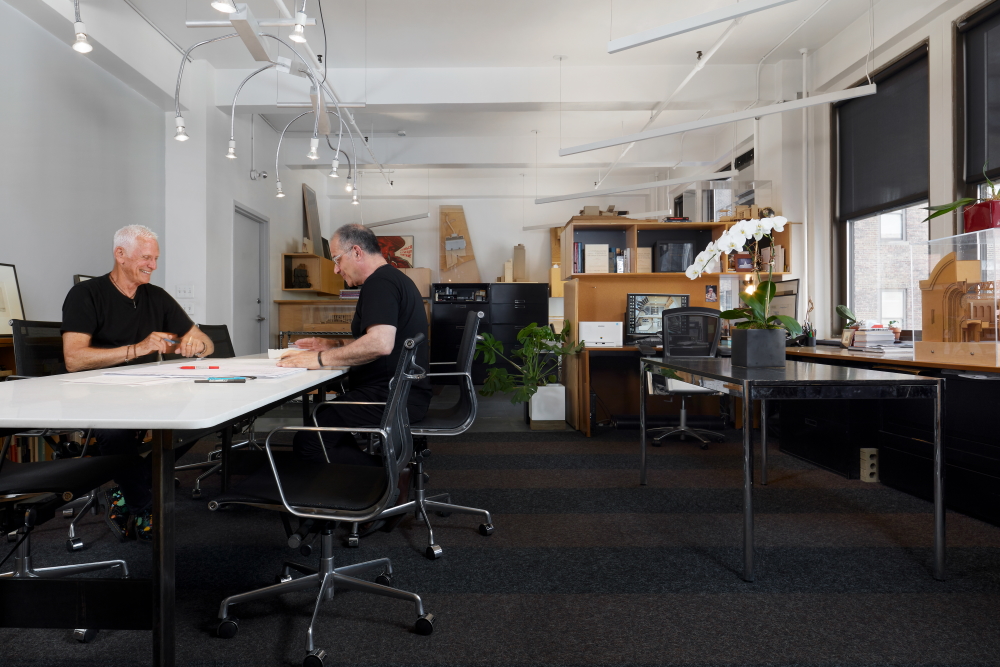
(187, 368)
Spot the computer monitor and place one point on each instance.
(644, 312)
(786, 299)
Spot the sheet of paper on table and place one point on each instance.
(258, 368)
(121, 380)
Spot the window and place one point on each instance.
(883, 141)
(882, 267)
(891, 226)
(980, 42)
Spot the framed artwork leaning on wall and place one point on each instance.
(11, 306)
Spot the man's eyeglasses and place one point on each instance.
(336, 260)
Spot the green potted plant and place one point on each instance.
(536, 364)
(895, 328)
(759, 339)
(981, 212)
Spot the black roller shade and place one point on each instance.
(883, 141)
(981, 41)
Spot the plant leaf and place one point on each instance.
(790, 324)
(735, 314)
(847, 314)
(755, 305)
(768, 288)
(948, 208)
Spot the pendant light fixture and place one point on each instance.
(354, 200)
(81, 45)
(313, 153)
(299, 31)
(280, 193)
(224, 6)
(232, 150)
(180, 133)
(333, 171)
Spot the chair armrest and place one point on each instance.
(335, 403)
(442, 363)
(313, 513)
(437, 375)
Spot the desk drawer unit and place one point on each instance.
(514, 306)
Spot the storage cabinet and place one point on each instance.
(323, 278)
(451, 304)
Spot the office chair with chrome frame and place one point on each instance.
(32, 493)
(688, 332)
(327, 493)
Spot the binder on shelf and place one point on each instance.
(595, 258)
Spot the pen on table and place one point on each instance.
(233, 380)
(159, 355)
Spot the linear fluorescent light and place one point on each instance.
(693, 23)
(638, 186)
(840, 95)
(405, 218)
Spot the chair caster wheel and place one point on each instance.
(84, 636)
(74, 544)
(228, 627)
(486, 529)
(353, 541)
(433, 552)
(196, 493)
(306, 550)
(314, 658)
(424, 624)
(384, 579)
(282, 578)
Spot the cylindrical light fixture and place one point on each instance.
(313, 153)
(354, 200)
(299, 31)
(280, 193)
(81, 45)
(333, 172)
(180, 134)
(348, 187)
(232, 150)
(224, 6)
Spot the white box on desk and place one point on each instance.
(601, 334)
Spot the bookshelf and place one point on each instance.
(322, 275)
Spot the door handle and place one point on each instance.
(261, 319)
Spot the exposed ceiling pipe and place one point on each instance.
(280, 4)
(659, 108)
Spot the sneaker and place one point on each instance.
(142, 526)
(117, 514)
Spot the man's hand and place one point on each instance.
(318, 344)
(299, 359)
(155, 342)
(195, 344)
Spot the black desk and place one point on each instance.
(796, 381)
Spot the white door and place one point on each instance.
(250, 303)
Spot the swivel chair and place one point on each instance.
(688, 332)
(32, 493)
(331, 492)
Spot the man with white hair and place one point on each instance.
(119, 318)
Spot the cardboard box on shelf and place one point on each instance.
(520, 263)
(421, 278)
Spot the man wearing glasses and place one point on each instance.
(389, 311)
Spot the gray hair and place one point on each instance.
(128, 236)
(351, 235)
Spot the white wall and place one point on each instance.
(82, 155)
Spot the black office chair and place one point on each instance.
(688, 332)
(32, 493)
(322, 494)
(453, 420)
(219, 333)
(38, 352)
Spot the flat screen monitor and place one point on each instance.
(786, 299)
(644, 312)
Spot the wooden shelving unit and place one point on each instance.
(601, 297)
(321, 271)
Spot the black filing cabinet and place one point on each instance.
(514, 306)
(450, 304)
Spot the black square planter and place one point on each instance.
(759, 348)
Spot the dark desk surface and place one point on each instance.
(822, 353)
(794, 372)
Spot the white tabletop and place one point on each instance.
(51, 402)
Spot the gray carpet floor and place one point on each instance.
(585, 568)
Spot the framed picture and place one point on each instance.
(847, 337)
(79, 278)
(311, 219)
(711, 293)
(11, 306)
(397, 250)
(326, 249)
(744, 262)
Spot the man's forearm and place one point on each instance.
(361, 351)
(89, 358)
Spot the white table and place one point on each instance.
(175, 412)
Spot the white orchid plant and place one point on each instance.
(756, 310)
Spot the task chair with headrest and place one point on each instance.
(688, 332)
(324, 494)
(33, 493)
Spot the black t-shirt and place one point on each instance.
(388, 296)
(96, 307)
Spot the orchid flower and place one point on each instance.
(778, 223)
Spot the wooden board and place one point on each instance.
(829, 352)
(457, 266)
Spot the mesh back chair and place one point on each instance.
(219, 333)
(326, 493)
(33, 493)
(688, 332)
(453, 420)
(38, 352)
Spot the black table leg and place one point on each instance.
(939, 531)
(763, 443)
(226, 452)
(163, 548)
(747, 483)
(642, 422)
